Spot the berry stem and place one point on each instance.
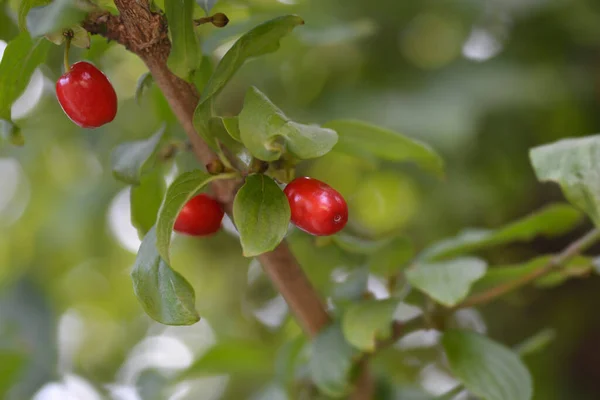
(68, 36)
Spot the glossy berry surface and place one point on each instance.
(86, 96)
(316, 207)
(201, 216)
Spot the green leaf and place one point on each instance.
(202, 74)
(128, 159)
(186, 186)
(267, 132)
(392, 258)
(577, 267)
(58, 15)
(536, 343)
(10, 133)
(206, 5)
(551, 221)
(574, 165)
(353, 287)
(363, 139)
(488, 369)
(185, 55)
(12, 364)
(144, 82)
(21, 57)
(24, 7)
(236, 357)
(367, 321)
(331, 362)
(145, 200)
(232, 125)
(260, 40)
(164, 294)
(447, 282)
(357, 245)
(262, 214)
(81, 37)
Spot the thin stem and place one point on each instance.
(555, 262)
(68, 36)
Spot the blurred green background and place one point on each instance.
(481, 81)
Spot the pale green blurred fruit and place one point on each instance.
(340, 171)
(383, 203)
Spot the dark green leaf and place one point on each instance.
(10, 133)
(24, 7)
(357, 245)
(143, 83)
(206, 5)
(367, 321)
(552, 220)
(262, 214)
(392, 258)
(536, 343)
(186, 186)
(360, 138)
(185, 55)
(488, 369)
(267, 132)
(128, 159)
(574, 165)
(447, 282)
(21, 57)
(56, 16)
(236, 357)
(353, 287)
(331, 362)
(232, 125)
(164, 294)
(145, 200)
(258, 41)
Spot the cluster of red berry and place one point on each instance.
(315, 207)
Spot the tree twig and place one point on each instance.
(555, 262)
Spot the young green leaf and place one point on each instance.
(552, 220)
(360, 138)
(232, 125)
(574, 165)
(367, 321)
(267, 132)
(331, 361)
(202, 74)
(56, 16)
(260, 40)
(164, 294)
(262, 214)
(186, 186)
(185, 53)
(128, 159)
(144, 82)
(392, 258)
(145, 201)
(21, 57)
(488, 369)
(447, 282)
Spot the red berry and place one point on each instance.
(86, 96)
(201, 216)
(316, 207)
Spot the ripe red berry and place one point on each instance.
(86, 95)
(316, 207)
(201, 216)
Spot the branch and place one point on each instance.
(556, 262)
(145, 33)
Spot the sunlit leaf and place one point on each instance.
(164, 294)
(267, 132)
(447, 282)
(488, 369)
(367, 321)
(575, 165)
(360, 138)
(185, 55)
(128, 159)
(331, 362)
(262, 214)
(552, 220)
